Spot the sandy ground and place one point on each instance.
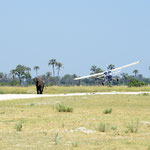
(25, 96)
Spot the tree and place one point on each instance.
(136, 83)
(111, 66)
(93, 69)
(49, 80)
(48, 74)
(68, 80)
(28, 78)
(59, 66)
(125, 76)
(36, 68)
(98, 70)
(1, 75)
(74, 76)
(12, 72)
(135, 72)
(53, 63)
(22, 72)
(28, 69)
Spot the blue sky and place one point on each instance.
(78, 33)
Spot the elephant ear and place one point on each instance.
(35, 80)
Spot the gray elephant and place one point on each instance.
(39, 85)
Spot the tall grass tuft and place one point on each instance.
(63, 108)
(18, 126)
(114, 128)
(108, 111)
(102, 127)
(132, 127)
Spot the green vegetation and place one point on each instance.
(70, 89)
(114, 127)
(18, 126)
(108, 111)
(22, 72)
(132, 127)
(36, 68)
(102, 127)
(21, 76)
(44, 127)
(63, 108)
(136, 83)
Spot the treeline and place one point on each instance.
(21, 75)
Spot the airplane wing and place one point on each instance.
(126, 66)
(102, 73)
(89, 76)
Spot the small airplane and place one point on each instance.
(107, 75)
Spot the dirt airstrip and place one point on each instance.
(25, 96)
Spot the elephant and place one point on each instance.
(39, 85)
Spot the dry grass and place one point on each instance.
(70, 89)
(45, 128)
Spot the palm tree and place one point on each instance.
(98, 70)
(13, 73)
(53, 63)
(93, 69)
(59, 66)
(28, 69)
(111, 66)
(135, 72)
(125, 76)
(36, 68)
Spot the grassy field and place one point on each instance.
(88, 127)
(70, 89)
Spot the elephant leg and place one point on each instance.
(38, 90)
(41, 90)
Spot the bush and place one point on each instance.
(63, 108)
(18, 126)
(108, 111)
(114, 127)
(10, 83)
(101, 127)
(132, 127)
(14, 83)
(136, 83)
